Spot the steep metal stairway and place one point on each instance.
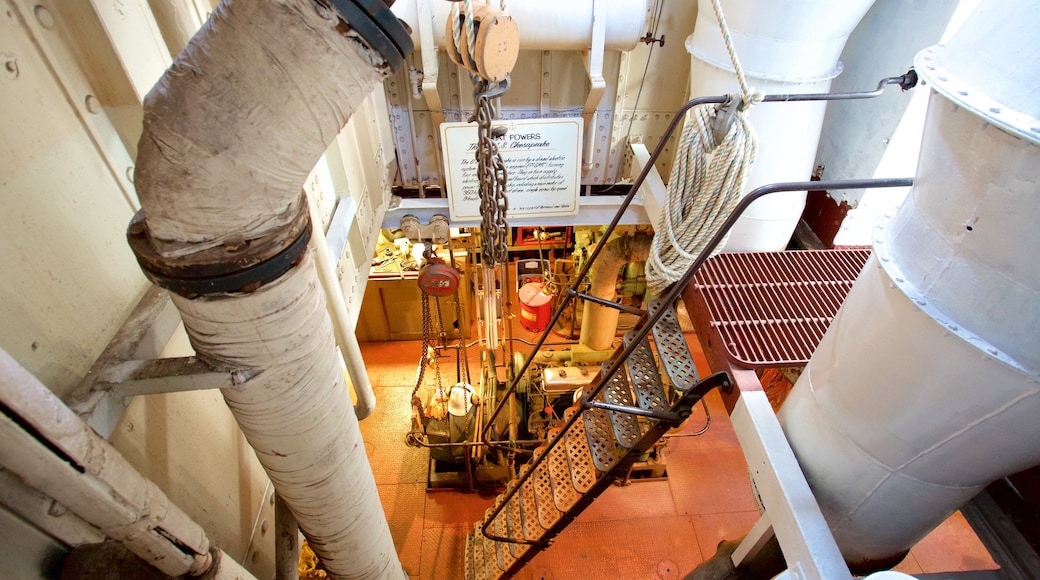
(631, 405)
(619, 419)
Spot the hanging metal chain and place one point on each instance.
(426, 324)
(491, 175)
(428, 355)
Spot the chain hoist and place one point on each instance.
(491, 174)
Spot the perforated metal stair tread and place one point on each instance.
(543, 493)
(503, 555)
(491, 569)
(618, 392)
(480, 569)
(533, 529)
(468, 564)
(645, 377)
(579, 457)
(672, 349)
(564, 494)
(602, 443)
(514, 525)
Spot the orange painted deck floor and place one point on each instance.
(649, 529)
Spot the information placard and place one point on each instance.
(542, 159)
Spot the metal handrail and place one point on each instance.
(905, 82)
(649, 321)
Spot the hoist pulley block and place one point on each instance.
(496, 43)
(438, 279)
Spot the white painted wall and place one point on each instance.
(69, 278)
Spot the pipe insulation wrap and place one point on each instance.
(233, 128)
(297, 415)
(599, 323)
(51, 449)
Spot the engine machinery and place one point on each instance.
(451, 405)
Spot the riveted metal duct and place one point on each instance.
(926, 387)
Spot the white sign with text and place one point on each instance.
(543, 167)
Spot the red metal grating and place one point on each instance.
(772, 308)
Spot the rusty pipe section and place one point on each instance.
(599, 323)
(231, 132)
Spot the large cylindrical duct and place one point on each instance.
(548, 24)
(785, 46)
(926, 387)
(231, 132)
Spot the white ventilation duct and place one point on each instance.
(231, 132)
(51, 449)
(926, 387)
(547, 24)
(785, 46)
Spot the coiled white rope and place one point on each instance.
(706, 180)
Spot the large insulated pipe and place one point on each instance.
(785, 46)
(548, 24)
(599, 323)
(926, 387)
(50, 448)
(231, 132)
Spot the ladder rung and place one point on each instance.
(673, 350)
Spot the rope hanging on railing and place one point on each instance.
(715, 155)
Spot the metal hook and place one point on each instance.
(723, 119)
(483, 88)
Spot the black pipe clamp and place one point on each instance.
(243, 267)
(375, 23)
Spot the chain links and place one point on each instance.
(426, 324)
(491, 176)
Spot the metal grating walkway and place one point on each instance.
(772, 308)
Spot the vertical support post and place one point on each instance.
(286, 542)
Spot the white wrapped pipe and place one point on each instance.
(297, 415)
(53, 450)
(231, 132)
(599, 323)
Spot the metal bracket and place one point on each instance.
(668, 417)
(167, 375)
(597, 84)
(607, 303)
(437, 231)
